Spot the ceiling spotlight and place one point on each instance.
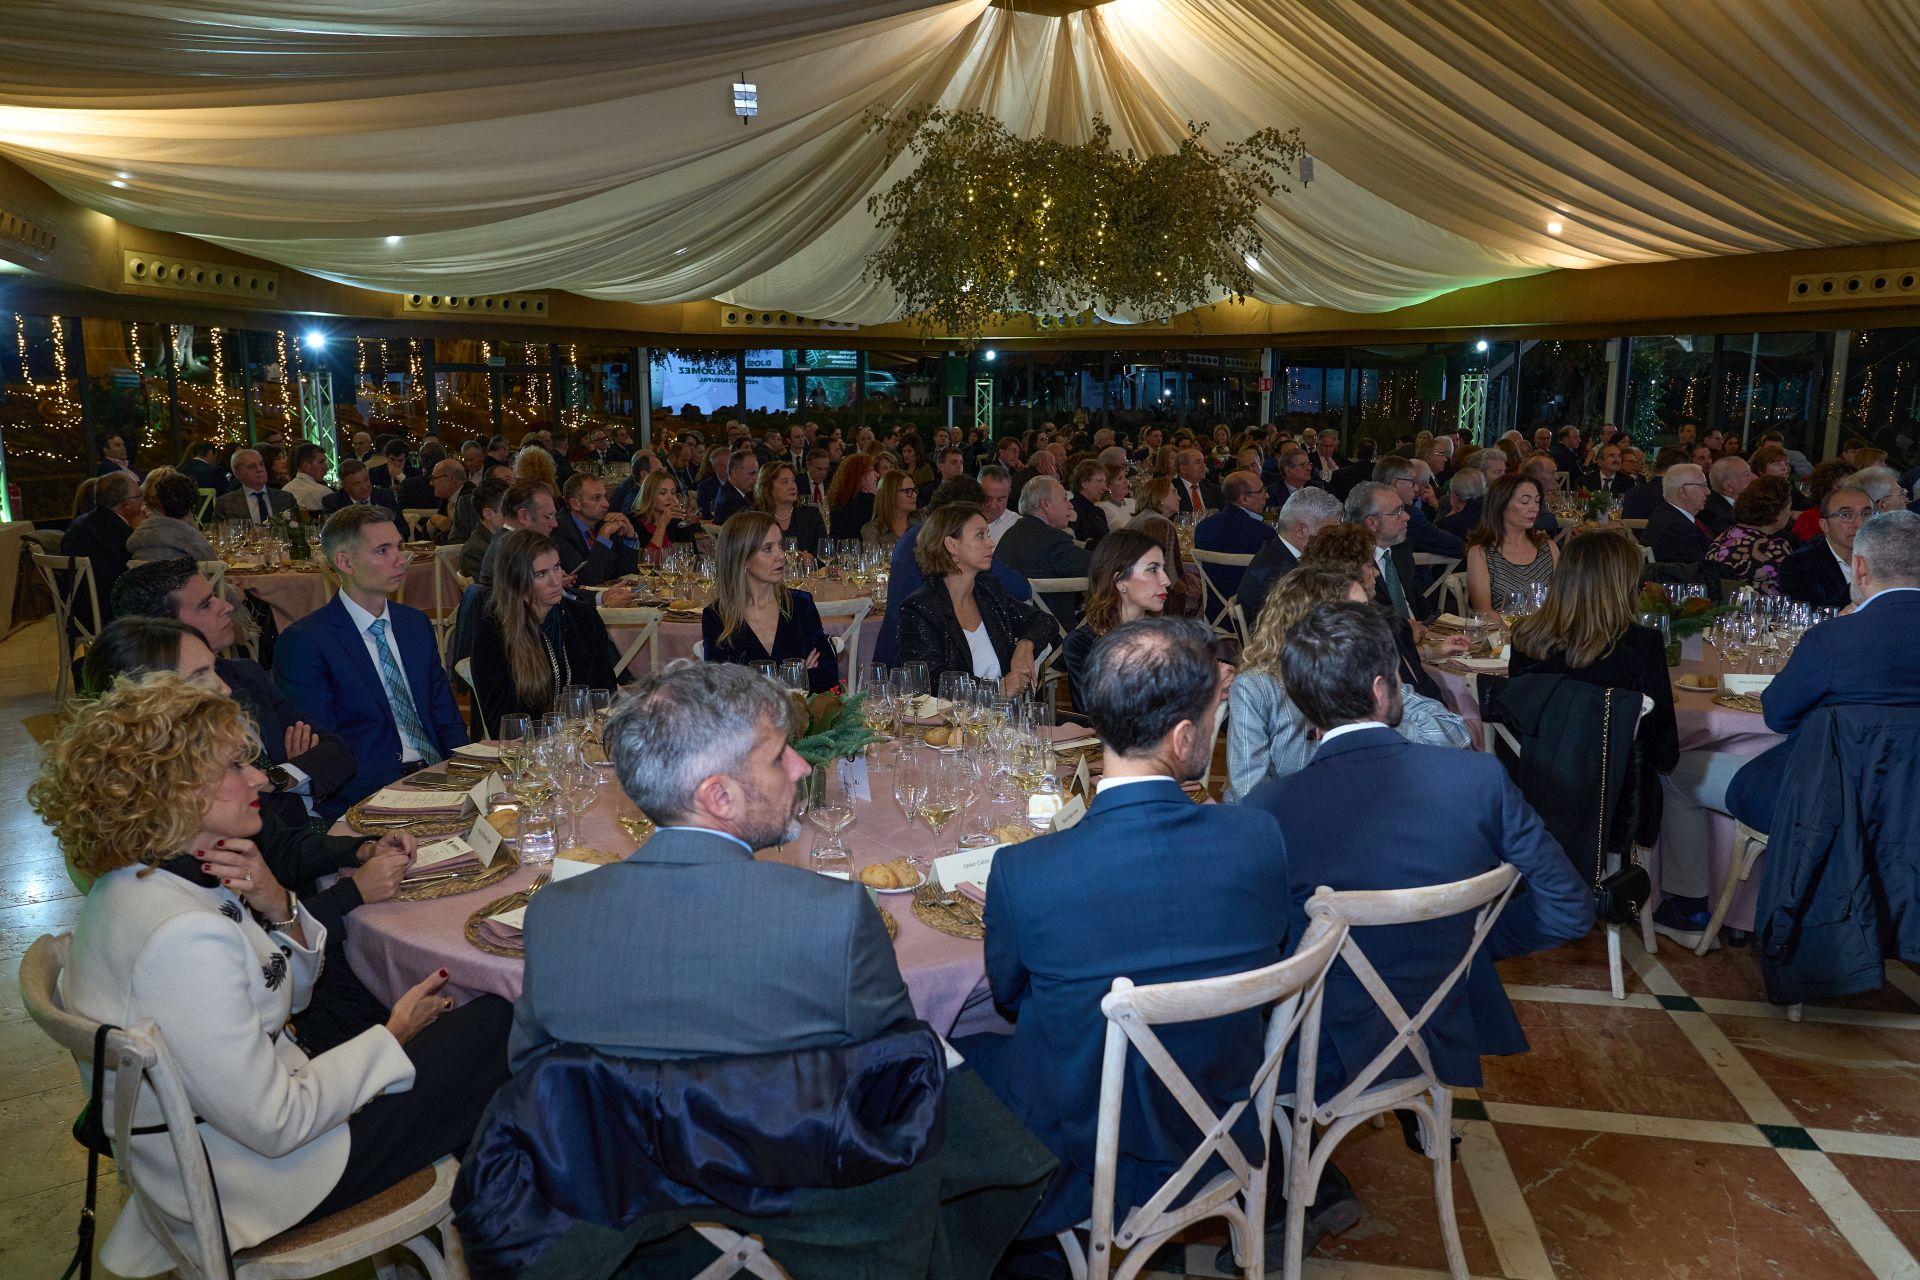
(746, 99)
(393, 239)
(123, 175)
(989, 355)
(1253, 263)
(1553, 228)
(117, 183)
(314, 340)
(1481, 346)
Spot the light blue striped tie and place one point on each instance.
(404, 712)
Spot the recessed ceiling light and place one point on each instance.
(393, 239)
(1480, 345)
(117, 183)
(1553, 228)
(678, 252)
(1253, 263)
(123, 175)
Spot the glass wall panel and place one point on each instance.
(1670, 380)
(40, 416)
(1563, 382)
(1882, 396)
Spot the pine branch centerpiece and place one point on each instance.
(827, 726)
(989, 224)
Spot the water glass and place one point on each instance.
(793, 675)
(539, 834)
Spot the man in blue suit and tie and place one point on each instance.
(367, 668)
(1235, 529)
(1148, 886)
(1864, 657)
(1373, 811)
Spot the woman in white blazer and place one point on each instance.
(151, 791)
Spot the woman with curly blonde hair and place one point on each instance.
(535, 463)
(151, 790)
(1267, 737)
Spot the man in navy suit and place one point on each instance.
(1372, 811)
(1305, 514)
(100, 535)
(305, 766)
(1295, 467)
(356, 486)
(736, 495)
(1675, 530)
(1819, 573)
(596, 545)
(1864, 657)
(367, 668)
(1235, 529)
(1162, 890)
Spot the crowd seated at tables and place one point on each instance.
(190, 790)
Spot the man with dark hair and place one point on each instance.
(736, 493)
(357, 488)
(1347, 818)
(486, 507)
(596, 545)
(100, 534)
(1821, 573)
(1164, 890)
(528, 504)
(1566, 454)
(366, 667)
(1644, 499)
(303, 765)
(904, 577)
(203, 465)
(309, 485)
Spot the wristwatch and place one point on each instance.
(281, 779)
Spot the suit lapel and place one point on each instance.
(360, 661)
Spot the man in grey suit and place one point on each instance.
(690, 947)
(252, 499)
(1039, 546)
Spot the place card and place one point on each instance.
(393, 800)
(478, 751)
(854, 780)
(479, 844)
(966, 865)
(1082, 780)
(1755, 685)
(514, 919)
(568, 868)
(484, 790)
(1069, 814)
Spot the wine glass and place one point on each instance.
(793, 675)
(600, 707)
(909, 782)
(513, 736)
(829, 808)
(942, 801)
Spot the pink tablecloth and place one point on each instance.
(1704, 726)
(394, 944)
(293, 595)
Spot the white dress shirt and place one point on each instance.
(1003, 522)
(1845, 563)
(1355, 727)
(306, 491)
(1107, 784)
(252, 497)
(362, 620)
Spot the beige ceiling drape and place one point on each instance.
(589, 144)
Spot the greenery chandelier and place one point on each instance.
(989, 224)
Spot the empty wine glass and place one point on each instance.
(829, 808)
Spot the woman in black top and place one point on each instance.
(658, 517)
(532, 639)
(850, 495)
(963, 619)
(777, 493)
(1126, 580)
(754, 617)
(1586, 630)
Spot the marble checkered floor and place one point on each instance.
(1687, 1132)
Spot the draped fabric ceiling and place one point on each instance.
(589, 145)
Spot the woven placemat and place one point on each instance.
(380, 825)
(957, 919)
(893, 926)
(518, 898)
(503, 865)
(1740, 702)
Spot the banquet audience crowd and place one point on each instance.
(192, 790)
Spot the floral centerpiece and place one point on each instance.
(827, 726)
(1683, 617)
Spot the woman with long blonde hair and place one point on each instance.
(1267, 737)
(659, 516)
(533, 639)
(755, 616)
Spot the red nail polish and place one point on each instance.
(443, 973)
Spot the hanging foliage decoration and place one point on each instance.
(989, 224)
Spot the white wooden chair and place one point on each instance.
(1748, 845)
(1237, 620)
(1044, 587)
(1616, 966)
(448, 587)
(1239, 1194)
(416, 520)
(76, 614)
(738, 1254)
(1453, 594)
(1213, 742)
(1366, 1094)
(1215, 605)
(400, 1218)
(847, 642)
(1446, 566)
(648, 636)
(205, 508)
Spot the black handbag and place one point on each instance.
(1620, 897)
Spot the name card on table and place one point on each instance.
(484, 790)
(1755, 685)
(1069, 813)
(854, 779)
(394, 800)
(966, 865)
(568, 868)
(514, 919)
(480, 844)
(486, 752)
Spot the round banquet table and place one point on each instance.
(1704, 725)
(394, 944)
(292, 594)
(677, 638)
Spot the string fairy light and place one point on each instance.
(219, 374)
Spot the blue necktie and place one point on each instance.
(404, 713)
(260, 502)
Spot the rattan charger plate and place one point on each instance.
(503, 865)
(893, 926)
(957, 919)
(518, 898)
(381, 824)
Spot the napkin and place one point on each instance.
(1483, 666)
(971, 892)
(483, 752)
(390, 800)
(504, 930)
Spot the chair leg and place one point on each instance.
(1440, 1149)
(1648, 938)
(1746, 854)
(1299, 1191)
(1076, 1256)
(1616, 974)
